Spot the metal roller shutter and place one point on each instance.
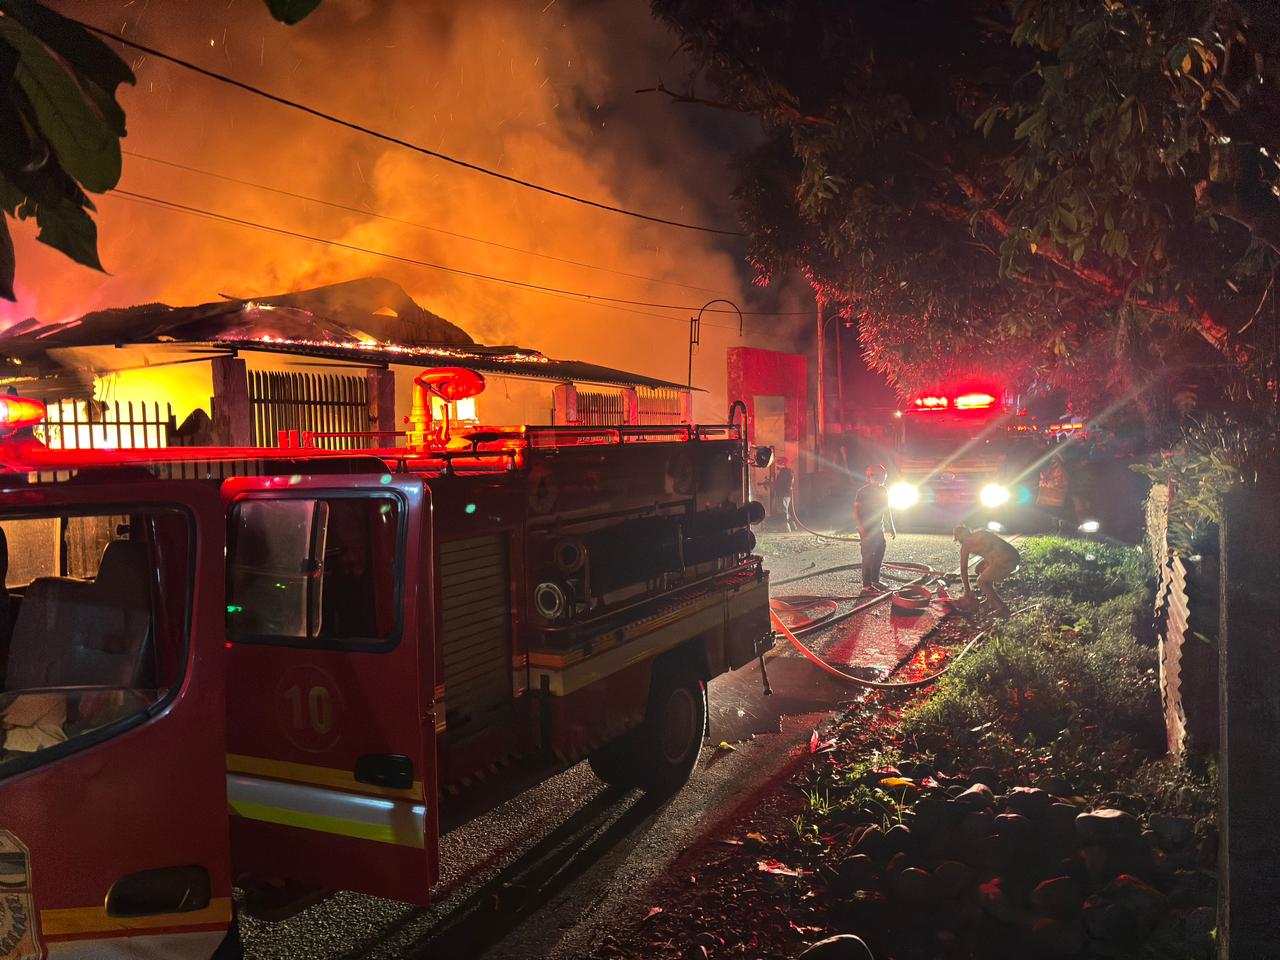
(476, 626)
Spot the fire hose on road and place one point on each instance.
(913, 597)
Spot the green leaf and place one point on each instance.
(69, 228)
(87, 55)
(291, 11)
(8, 262)
(1024, 129)
(86, 145)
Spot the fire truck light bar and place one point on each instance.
(975, 401)
(932, 403)
(16, 413)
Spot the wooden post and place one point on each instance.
(232, 418)
(630, 405)
(1249, 726)
(565, 397)
(382, 404)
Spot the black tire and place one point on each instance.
(231, 947)
(668, 744)
(615, 762)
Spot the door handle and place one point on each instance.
(163, 890)
(392, 770)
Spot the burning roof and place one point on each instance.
(369, 320)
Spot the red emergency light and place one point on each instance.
(975, 401)
(18, 413)
(931, 403)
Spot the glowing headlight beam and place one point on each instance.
(903, 495)
(1089, 526)
(994, 495)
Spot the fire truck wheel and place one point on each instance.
(231, 947)
(614, 763)
(671, 738)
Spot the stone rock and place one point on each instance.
(995, 900)
(1108, 825)
(1054, 786)
(984, 775)
(897, 863)
(977, 824)
(898, 839)
(1144, 904)
(1062, 817)
(1200, 925)
(870, 842)
(856, 872)
(843, 947)
(1100, 862)
(1105, 921)
(978, 795)
(1054, 937)
(934, 814)
(914, 885)
(1172, 831)
(1031, 802)
(1193, 888)
(952, 877)
(1058, 896)
(1015, 829)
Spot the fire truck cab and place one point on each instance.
(964, 455)
(288, 668)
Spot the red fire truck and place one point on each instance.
(286, 668)
(964, 455)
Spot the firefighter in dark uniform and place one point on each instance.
(872, 514)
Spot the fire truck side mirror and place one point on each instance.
(762, 457)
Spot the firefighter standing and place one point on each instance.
(1052, 494)
(782, 485)
(999, 559)
(871, 513)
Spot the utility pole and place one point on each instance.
(820, 435)
(840, 417)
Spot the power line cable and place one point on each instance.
(576, 295)
(408, 223)
(398, 141)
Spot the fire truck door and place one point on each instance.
(331, 773)
(113, 815)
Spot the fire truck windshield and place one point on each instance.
(935, 435)
(93, 620)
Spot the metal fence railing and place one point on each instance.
(96, 425)
(310, 403)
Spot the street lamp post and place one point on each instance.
(695, 331)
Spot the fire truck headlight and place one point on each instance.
(994, 495)
(903, 495)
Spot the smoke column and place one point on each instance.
(541, 90)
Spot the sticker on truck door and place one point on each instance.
(17, 903)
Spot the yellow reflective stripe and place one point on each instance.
(378, 832)
(319, 776)
(71, 921)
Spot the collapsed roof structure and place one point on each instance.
(370, 321)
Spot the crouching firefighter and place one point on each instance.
(999, 559)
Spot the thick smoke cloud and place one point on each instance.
(542, 90)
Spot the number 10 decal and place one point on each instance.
(308, 709)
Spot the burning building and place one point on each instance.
(331, 366)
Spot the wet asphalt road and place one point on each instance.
(553, 871)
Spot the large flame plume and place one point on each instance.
(538, 89)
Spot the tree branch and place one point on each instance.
(789, 110)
